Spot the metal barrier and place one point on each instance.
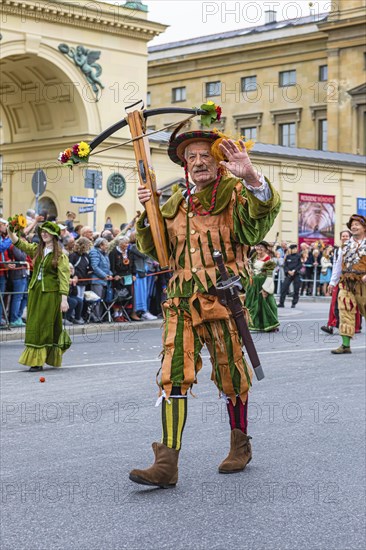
(278, 270)
(314, 281)
(5, 266)
(25, 264)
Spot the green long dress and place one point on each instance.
(263, 311)
(44, 318)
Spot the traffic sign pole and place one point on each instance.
(95, 205)
(37, 194)
(93, 180)
(39, 182)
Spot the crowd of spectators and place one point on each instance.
(317, 263)
(109, 277)
(106, 267)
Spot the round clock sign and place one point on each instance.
(116, 185)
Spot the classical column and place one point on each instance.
(6, 190)
(332, 99)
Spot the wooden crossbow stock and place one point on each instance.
(136, 120)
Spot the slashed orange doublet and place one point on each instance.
(196, 237)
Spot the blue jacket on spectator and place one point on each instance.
(4, 244)
(100, 265)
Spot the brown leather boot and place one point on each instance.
(163, 473)
(240, 453)
(341, 349)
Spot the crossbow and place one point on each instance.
(136, 120)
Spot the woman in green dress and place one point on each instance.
(259, 293)
(47, 297)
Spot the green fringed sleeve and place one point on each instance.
(253, 218)
(28, 248)
(63, 270)
(144, 239)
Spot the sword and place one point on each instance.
(227, 292)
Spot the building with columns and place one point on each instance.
(296, 83)
(67, 73)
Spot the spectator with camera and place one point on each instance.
(124, 273)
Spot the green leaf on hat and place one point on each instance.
(206, 120)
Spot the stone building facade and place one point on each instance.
(297, 87)
(297, 83)
(68, 70)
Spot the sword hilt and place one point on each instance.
(217, 256)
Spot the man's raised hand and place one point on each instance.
(239, 163)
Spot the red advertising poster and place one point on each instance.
(316, 218)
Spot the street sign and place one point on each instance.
(84, 209)
(361, 206)
(39, 182)
(93, 179)
(82, 200)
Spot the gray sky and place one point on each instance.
(191, 18)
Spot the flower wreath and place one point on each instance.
(73, 155)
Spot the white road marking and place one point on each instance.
(114, 363)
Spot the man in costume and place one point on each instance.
(350, 272)
(333, 317)
(227, 212)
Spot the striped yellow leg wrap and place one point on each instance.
(174, 416)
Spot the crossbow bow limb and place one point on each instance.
(136, 120)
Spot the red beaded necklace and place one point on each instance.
(213, 196)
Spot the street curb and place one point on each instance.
(89, 329)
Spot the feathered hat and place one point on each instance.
(178, 144)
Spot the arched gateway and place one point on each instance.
(67, 72)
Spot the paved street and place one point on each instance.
(68, 444)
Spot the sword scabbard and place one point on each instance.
(228, 295)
